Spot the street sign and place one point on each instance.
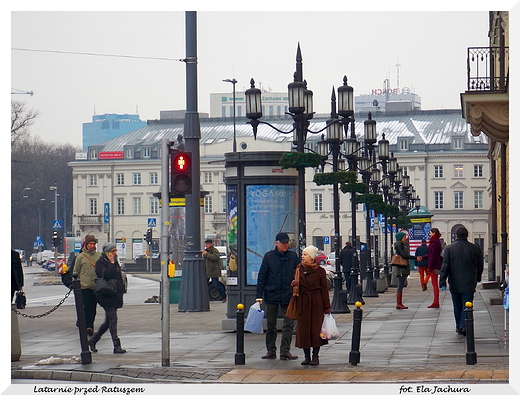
(56, 224)
(152, 222)
(106, 216)
(326, 240)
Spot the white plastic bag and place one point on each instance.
(254, 319)
(329, 330)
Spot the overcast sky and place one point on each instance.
(69, 88)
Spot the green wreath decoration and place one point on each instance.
(338, 177)
(299, 160)
(355, 187)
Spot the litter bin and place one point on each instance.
(175, 289)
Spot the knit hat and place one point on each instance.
(108, 247)
(312, 251)
(399, 236)
(90, 238)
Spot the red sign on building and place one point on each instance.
(110, 155)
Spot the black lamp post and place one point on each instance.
(234, 81)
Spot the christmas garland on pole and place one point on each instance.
(299, 160)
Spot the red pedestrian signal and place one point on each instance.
(181, 173)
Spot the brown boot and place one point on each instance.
(400, 305)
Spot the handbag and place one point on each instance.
(254, 319)
(291, 308)
(104, 287)
(329, 330)
(20, 300)
(398, 260)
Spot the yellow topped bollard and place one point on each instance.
(240, 356)
(469, 305)
(358, 304)
(240, 306)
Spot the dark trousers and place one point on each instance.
(89, 305)
(110, 323)
(287, 329)
(218, 286)
(459, 301)
(346, 276)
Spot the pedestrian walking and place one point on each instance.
(108, 267)
(424, 276)
(85, 268)
(348, 260)
(16, 273)
(211, 257)
(462, 268)
(274, 289)
(434, 260)
(401, 272)
(311, 286)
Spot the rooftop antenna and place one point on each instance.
(397, 66)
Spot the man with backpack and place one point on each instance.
(85, 268)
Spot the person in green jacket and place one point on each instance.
(211, 258)
(85, 268)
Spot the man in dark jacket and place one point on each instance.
(274, 288)
(462, 266)
(16, 273)
(348, 257)
(211, 257)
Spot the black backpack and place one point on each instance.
(66, 278)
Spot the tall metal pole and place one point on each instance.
(165, 253)
(301, 127)
(194, 289)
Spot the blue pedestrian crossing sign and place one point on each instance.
(152, 222)
(56, 224)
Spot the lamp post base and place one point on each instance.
(355, 295)
(339, 299)
(371, 287)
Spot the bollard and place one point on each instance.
(16, 343)
(471, 355)
(86, 356)
(356, 335)
(240, 357)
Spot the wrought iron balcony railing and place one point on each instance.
(488, 69)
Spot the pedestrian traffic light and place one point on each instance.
(181, 173)
(148, 236)
(56, 239)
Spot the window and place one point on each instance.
(224, 204)
(92, 180)
(129, 153)
(208, 204)
(438, 171)
(120, 203)
(208, 177)
(477, 171)
(146, 152)
(136, 178)
(403, 145)
(137, 205)
(457, 143)
(154, 205)
(93, 153)
(154, 178)
(318, 202)
(120, 178)
(438, 200)
(458, 171)
(459, 200)
(478, 198)
(404, 170)
(93, 206)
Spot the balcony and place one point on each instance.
(218, 218)
(90, 221)
(488, 69)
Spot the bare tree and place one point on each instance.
(21, 120)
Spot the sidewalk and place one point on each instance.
(397, 346)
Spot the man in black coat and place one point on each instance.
(348, 257)
(16, 273)
(462, 266)
(274, 288)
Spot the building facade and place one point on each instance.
(447, 165)
(108, 126)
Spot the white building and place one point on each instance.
(448, 168)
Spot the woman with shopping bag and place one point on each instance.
(311, 291)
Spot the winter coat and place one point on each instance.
(275, 276)
(462, 266)
(108, 270)
(311, 304)
(85, 268)
(348, 258)
(422, 250)
(212, 263)
(401, 248)
(434, 254)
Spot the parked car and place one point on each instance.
(320, 257)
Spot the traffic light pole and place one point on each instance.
(194, 288)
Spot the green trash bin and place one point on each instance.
(175, 289)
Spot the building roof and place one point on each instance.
(421, 127)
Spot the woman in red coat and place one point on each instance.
(434, 263)
(313, 302)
